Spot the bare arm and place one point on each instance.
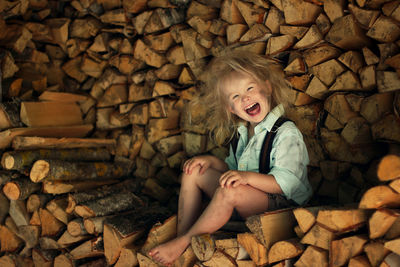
(263, 182)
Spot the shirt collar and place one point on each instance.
(267, 123)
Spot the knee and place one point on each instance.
(193, 177)
(229, 195)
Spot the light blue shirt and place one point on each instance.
(288, 158)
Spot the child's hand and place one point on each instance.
(203, 162)
(233, 179)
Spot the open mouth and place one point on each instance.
(254, 109)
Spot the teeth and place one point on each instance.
(252, 105)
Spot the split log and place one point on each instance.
(57, 207)
(380, 222)
(20, 189)
(29, 143)
(271, 227)
(359, 261)
(66, 239)
(36, 201)
(43, 258)
(90, 248)
(220, 258)
(20, 160)
(285, 249)
(257, 251)
(128, 256)
(18, 212)
(55, 170)
(119, 231)
(313, 256)
(342, 220)
(7, 136)
(62, 187)
(389, 168)
(30, 234)
(318, 236)
(36, 114)
(343, 249)
(9, 241)
(205, 245)
(379, 196)
(392, 259)
(375, 252)
(160, 233)
(306, 217)
(49, 224)
(15, 260)
(393, 245)
(108, 205)
(80, 197)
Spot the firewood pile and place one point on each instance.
(95, 124)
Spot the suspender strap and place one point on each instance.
(267, 146)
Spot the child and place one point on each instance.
(246, 95)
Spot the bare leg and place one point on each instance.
(247, 200)
(190, 194)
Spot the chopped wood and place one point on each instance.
(379, 196)
(346, 34)
(273, 226)
(359, 261)
(257, 251)
(128, 256)
(375, 252)
(7, 136)
(56, 170)
(50, 225)
(119, 231)
(342, 220)
(313, 256)
(18, 212)
(20, 160)
(62, 187)
(306, 217)
(285, 249)
(344, 249)
(393, 245)
(318, 236)
(43, 258)
(9, 241)
(205, 245)
(380, 222)
(300, 13)
(120, 201)
(88, 249)
(20, 188)
(30, 143)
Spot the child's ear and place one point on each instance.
(268, 86)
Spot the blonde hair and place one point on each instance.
(222, 123)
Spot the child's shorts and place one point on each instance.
(278, 201)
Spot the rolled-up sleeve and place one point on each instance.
(289, 160)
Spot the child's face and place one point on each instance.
(246, 98)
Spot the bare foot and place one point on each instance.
(168, 252)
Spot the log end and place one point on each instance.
(39, 171)
(12, 191)
(7, 162)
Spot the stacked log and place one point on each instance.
(118, 75)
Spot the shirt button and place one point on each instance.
(241, 166)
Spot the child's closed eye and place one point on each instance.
(235, 96)
(248, 89)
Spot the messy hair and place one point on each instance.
(222, 123)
